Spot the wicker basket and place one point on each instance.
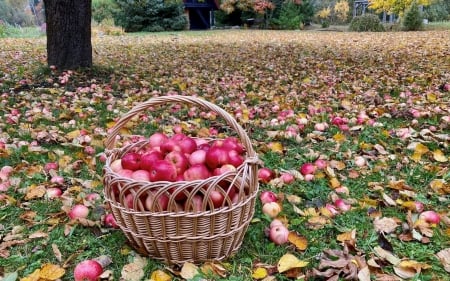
(173, 235)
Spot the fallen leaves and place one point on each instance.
(335, 264)
(288, 262)
(48, 272)
(287, 89)
(444, 258)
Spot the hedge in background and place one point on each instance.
(150, 15)
(367, 22)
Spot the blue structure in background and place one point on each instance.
(201, 13)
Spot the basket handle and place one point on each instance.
(110, 141)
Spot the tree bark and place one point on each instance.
(68, 33)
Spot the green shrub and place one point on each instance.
(413, 18)
(293, 14)
(103, 10)
(366, 22)
(150, 15)
(438, 10)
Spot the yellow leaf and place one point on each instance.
(421, 149)
(416, 157)
(347, 236)
(439, 156)
(259, 273)
(431, 97)
(334, 182)
(160, 275)
(276, 147)
(33, 276)
(300, 242)
(74, 134)
(289, 261)
(51, 272)
(339, 137)
(109, 125)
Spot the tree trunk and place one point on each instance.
(68, 33)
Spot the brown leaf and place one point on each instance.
(347, 236)
(386, 225)
(57, 252)
(387, 277)
(444, 258)
(35, 191)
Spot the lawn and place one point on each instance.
(374, 106)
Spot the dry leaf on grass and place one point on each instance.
(385, 225)
(259, 273)
(444, 257)
(134, 271)
(298, 241)
(158, 275)
(335, 264)
(189, 270)
(289, 261)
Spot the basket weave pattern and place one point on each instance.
(179, 235)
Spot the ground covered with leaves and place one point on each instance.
(375, 107)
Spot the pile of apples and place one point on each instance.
(180, 158)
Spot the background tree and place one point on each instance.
(395, 6)
(150, 15)
(341, 10)
(68, 33)
(14, 12)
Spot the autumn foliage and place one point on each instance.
(366, 115)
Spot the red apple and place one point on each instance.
(197, 157)
(128, 200)
(265, 175)
(110, 221)
(88, 270)
(321, 163)
(156, 139)
(187, 144)
(307, 169)
(196, 172)
(235, 158)
(196, 205)
(131, 161)
(267, 197)
(147, 159)
(279, 234)
(156, 204)
(78, 211)
(163, 170)
(287, 178)
(53, 192)
(141, 175)
(204, 146)
(224, 169)
(169, 146)
(216, 156)
(232, 143)
(217, 198)
(179, 160)
(51, 166)
(125, 173)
